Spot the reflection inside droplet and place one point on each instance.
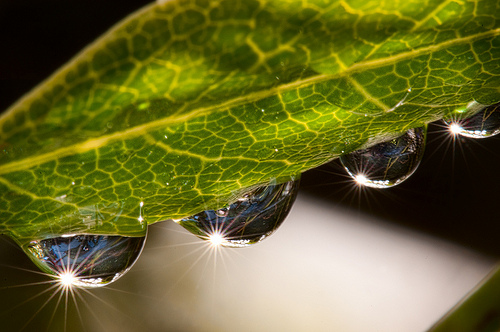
(86, 260)
(387, 164)
(248, 220)
(485, 123)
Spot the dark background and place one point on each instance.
(453, 195)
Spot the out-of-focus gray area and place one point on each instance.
(326, 269)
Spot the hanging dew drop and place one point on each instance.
(387, 164)
(485, 123)
(248, 220)
(86, 261)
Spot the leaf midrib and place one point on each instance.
(258, 95)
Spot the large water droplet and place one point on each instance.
(86, 260)
(485, 123)
(249, 220)
(387, 164)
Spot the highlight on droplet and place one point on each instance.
(455, 128)
(216, 239)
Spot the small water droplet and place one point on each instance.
(222, 212)
(248, 220)
(87, 261)
(485, 123)
(61, 198)
(387, 164)
(140, 218)
(143, 106)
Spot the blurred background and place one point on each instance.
(344, 260)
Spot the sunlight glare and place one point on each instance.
(216, 239)
(455, 128)
(67, 279)
(361, 179)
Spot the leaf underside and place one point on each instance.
(184, 105)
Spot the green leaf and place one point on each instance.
(477, 312)
(184, 105)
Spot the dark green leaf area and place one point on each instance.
(73, 195)
(184, 105)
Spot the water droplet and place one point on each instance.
(248, 220)
(485, 123)
(387, 164)
(141, 218)
(85, 260)
(222, 212)
(143, 106)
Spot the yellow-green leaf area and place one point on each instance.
(184, 105)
